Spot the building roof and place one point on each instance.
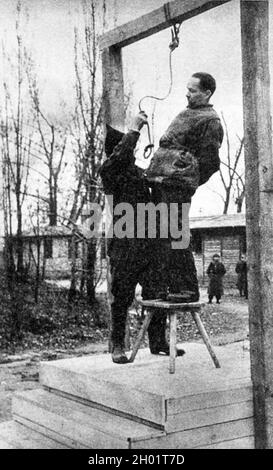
(55, 231)
(218, 221)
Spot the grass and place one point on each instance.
(53, 322)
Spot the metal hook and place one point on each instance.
(148, 151)
(175, 36)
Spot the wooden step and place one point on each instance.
(14, 435)
(242, 443)
(198, 394)
(238, 434)
(74, 424)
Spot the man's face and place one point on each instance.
(215, 259)
(195, 95)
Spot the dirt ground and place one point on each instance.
(225, 323)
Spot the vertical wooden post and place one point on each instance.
(114, 115)
(173, 318)
(259, 211)
(113, 90)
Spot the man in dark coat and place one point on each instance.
(241, 270)
(130, 257)
(215, 271)
(197, 130)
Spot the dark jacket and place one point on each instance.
(216, 273)
(200, 131)
(123, 180)
(241, 270)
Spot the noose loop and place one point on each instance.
(172, 46)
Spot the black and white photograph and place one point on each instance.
(136, 229)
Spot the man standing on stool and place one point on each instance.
(191, 142)
(215, 271)
(130, 258)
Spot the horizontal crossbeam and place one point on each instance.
(155, 21)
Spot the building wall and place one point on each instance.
(56, 267)
(230, 255)
(199, 264)
(228, 245)
(59, 265)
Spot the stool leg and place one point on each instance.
(205, 337)
(172, 342)
(141, 335)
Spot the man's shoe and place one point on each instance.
(184, 296)
(165, 349)
(119, 356)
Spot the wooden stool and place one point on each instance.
(173, 309)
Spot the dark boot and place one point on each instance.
(157, 335)
(118, 354)
(210, 300)
(119, 314)
(164, 348)
(156, 330)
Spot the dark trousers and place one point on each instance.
(128, 261)
(170, 271)
(218, 297)
(157, 269)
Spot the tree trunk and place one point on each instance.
(227, 200)
(72, 289)
(91, 260)
(19, 241)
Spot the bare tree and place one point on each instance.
(239, 192)
(16, 140)
(232, 180)
(52, 142)
(87, 134)
(36, 256)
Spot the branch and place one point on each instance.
(227, 139)
(38, 196)
(218, 194)
(234, 172)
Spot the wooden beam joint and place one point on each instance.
(170, 13)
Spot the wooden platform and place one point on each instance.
(89, 402)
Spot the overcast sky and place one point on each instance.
(209, 42)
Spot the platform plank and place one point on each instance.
(113, 395)
(243, 443)
(5, 445)
(207, 416)
(241, 392)
(200, 437)
(14, 435)
(84, 426)
(146, 390)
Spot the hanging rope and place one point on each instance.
(172, 46)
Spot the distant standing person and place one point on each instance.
(215, 271)
(241, 270)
